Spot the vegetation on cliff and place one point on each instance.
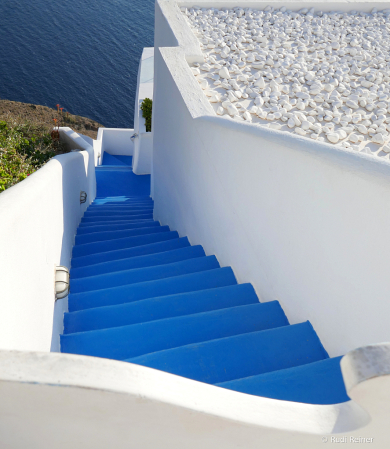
(26, 140)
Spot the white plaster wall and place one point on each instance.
(116, 141)
(305, 222)
(38, 222)
(143, 143)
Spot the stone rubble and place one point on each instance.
(324, 76)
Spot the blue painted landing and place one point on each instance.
(141, 293)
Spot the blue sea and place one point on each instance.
(82, 54)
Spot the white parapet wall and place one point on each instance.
(304, 221)
(114, 141)
(38, 222)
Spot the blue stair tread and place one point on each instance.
(121, 183)
(117, 234)
(127, 242)
(120, 200)
(115, 222)
(160, 308)
(120, 210)
(116, 227)
(134, 210)
(109, 159)
(240, 356)
(202, 280)
(120, 278)
(315, 383)
(121, 217)
(151, 248)
(120, 343)
(121, 205)
(149, 260)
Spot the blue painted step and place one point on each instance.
(142, 250)
(159, 234)
(117, 234)
(315, 383)
(120, 343)
(121, 205)
(128, 160)
(159, 308)
(125, 213)
(115, 222)
(132, 276)
(149, 260)
(240, 356)
(124, 183)
(211, 278)
(109, 159)
(120, 217)
(134, 210)
(120, 200)
(116, 227)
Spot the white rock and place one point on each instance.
(260, 83)
(220, 110)
(386, 148)
(333, 137)
(300, 131)
(232, 110)
(291, 123)
(353, 138)
(224, 73)
(247, 116)
(378, 138)
(306, 125)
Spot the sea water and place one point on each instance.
(81, 54)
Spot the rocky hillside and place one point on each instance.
(43, 116)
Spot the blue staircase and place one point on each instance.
(141, 293)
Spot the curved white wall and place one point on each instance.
(38, 222)
(305, 222)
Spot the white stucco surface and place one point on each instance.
(38, 222)
(75, 401)
(303, 221)
(143, 142)
(115, 141)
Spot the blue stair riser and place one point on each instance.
(120, 278)
(115, 222)
(314, 383)
(241, 356)
(116, 212)
(109, 159)
(128, 242)
(160, 308)
(138, 216)
(112, 235)
(149, 260)
(151, 248)
(116, 227)
(117, 206)
(131, 341)
(217, 277)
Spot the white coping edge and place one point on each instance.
(200, 109)
(152, 385)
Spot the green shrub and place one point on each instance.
(146, 108)
(23, 149)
